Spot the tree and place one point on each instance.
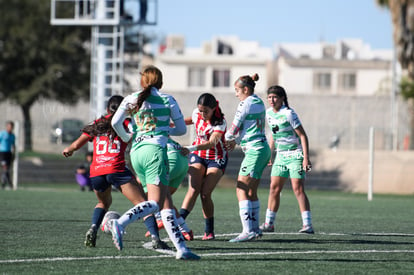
(38, 60)
(402, 15)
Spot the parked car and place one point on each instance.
(66, 130)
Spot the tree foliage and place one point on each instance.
(407, 88)
(402, 15)
(38, 60)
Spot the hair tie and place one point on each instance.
(217, 111)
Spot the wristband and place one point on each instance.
(191, 148)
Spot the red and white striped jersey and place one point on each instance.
(204, 130)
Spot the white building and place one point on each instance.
(348, 67)
(214, 66)
(338, 89)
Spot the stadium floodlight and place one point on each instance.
(108, 19)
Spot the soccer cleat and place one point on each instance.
(265, 227)
(188, 236)
(244, 237)
(90, 238)
(160, 225)
(186, 255)
(307, 229)
(116, 234)
(158, 244)
(208, 237)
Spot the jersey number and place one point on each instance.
(102, 147)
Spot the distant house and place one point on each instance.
(348, 67)
(339, 89)
(214, 66)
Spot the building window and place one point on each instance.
(196, 77)
(347, 82)
(224, 48)
(221, 78)
(322, 81)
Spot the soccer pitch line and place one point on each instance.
(170, 253)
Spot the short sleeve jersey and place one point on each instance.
(249, 123)
(7, 141)
(204, 130)
(152, 121)
(108, 155)
(283, 125)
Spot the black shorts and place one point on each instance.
(5, 158)
(208, 163)
(103, 182)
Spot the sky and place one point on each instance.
(274, 21)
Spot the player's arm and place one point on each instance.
(307, 165)
(241, 114)
(272, 149)
(118, 119)
(179, 127)
(76, 145)
(188, 121)
(214, 139)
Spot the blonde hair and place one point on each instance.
(150, 77)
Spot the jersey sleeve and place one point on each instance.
(237, 121)
(293, 119)
(194, 116)
(220, 128)
(119, 117)
(176, 115)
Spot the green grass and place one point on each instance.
(42, 232)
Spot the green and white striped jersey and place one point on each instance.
(248, 127)
(151, 124)
(283, 125)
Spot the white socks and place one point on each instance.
(171, 226)
(255, 215)
(306, 218)
(137, 212)
(270, 217)
(245, 211)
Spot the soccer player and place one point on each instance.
(7, 149)
(108, 168)
(292, 158)
(178, 167)
(248, 129)
(82, 173)
(152, 114)
(208, 159)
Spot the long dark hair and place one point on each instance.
(150, 77)
(208, 100)
(102, 126)
(280, 92)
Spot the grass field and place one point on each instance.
(42, 231)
